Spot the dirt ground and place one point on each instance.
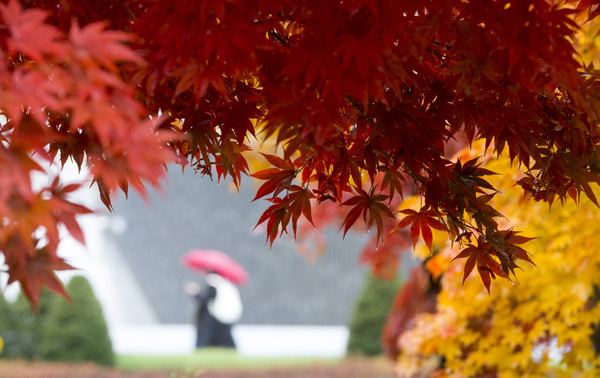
(350, 368)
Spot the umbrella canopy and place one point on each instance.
(204, 260)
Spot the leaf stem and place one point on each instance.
(360, 111)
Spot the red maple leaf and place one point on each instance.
(289, 208)
(372, 208)
(505, 244)
(278, 179)
(421, 223)
(481, 255)
(95, 44)
(29, 34)
(274, 216)
(32, 269)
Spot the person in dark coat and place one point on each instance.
(218, 307)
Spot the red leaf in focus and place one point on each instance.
(421, 223)
(392, 178)
(274, 216)
(278, 179)
(480, 256)
(295, 203)
(370, 206)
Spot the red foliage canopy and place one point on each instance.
(364, 96)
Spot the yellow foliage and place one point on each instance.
(540, 324)
(537, 326)
(588, 43)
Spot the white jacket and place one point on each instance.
(227, 305)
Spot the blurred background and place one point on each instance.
(297, 303)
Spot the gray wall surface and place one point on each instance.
(284, 288)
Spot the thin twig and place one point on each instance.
(132, 16)
(279, 38)
(360, 111)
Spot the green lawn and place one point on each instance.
(211, 358)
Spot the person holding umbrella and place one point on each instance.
(218, 302)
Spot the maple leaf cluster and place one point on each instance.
(62, 97)
(364, 97)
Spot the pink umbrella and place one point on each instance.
(204, 260)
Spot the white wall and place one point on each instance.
(256, 341)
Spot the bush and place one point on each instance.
(21, 328)
(369, 315)
(77, 331)
(7, 332)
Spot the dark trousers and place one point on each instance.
(211, 332)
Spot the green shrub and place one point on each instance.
(7, 328)
(21, 328)
(369, 315)
(77, 331)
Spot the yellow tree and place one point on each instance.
(539, 325)
(545, 323)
